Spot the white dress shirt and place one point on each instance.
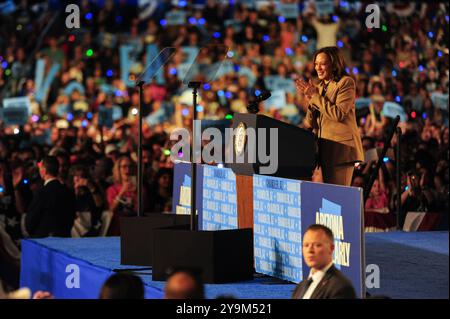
(316, 277)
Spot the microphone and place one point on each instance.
(253, 106)
(263, 96)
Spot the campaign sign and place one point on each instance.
(392, 109)
(74, 86)
(340, 209)
(324, 7)
(105, 116)
(43, 81)
(440, 100)
(219, 199)
(107, 40)
(175, 17)
(277, 100)
(288, 10)
(117, 113)
(277, 227)
(182, 183)
(248, 3)
(126, 62)
(14, 115)
(269, 81)
(284, 84)
(18, 102)
(107, 89)
(157, 70)
(282, 211)
(362, 102)
(7, 7)
(276, 82)
(251, 78)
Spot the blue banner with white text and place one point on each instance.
(340, 209)
(277, 224)
(219, 199)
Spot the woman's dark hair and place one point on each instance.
(337, 61)
(163, 171)
(122, 286)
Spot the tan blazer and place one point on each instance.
(335, 125)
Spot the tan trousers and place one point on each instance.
(339, 175)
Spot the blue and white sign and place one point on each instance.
(340, 209)
(277, 227)
(324, 7)
(282, 211)
(392, 109)
(176, 17)
(440, 100)
(42, 84)
(74, 86)
(288, 10)
(219, 199)
(105, 116)
(14, 115)
(251, 78)
(18, 102)
(182, 182)
(276, 82)
(362, 102)
(277, 100)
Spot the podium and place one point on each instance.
(296, 156)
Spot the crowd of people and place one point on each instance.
(404, 61)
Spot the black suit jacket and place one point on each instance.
(334, 285)
(51, 212)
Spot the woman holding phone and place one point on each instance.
(331, 115)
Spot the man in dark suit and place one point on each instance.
(324, 280)
(52, 210)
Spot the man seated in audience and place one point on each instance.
(122, 286)
(184, 284)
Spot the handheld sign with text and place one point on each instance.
(288, 10)
(18, 102)
(105, 116)
(14, 115)
(392, 109)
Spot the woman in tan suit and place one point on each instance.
(331, 115)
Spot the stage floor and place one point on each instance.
(412, 265)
